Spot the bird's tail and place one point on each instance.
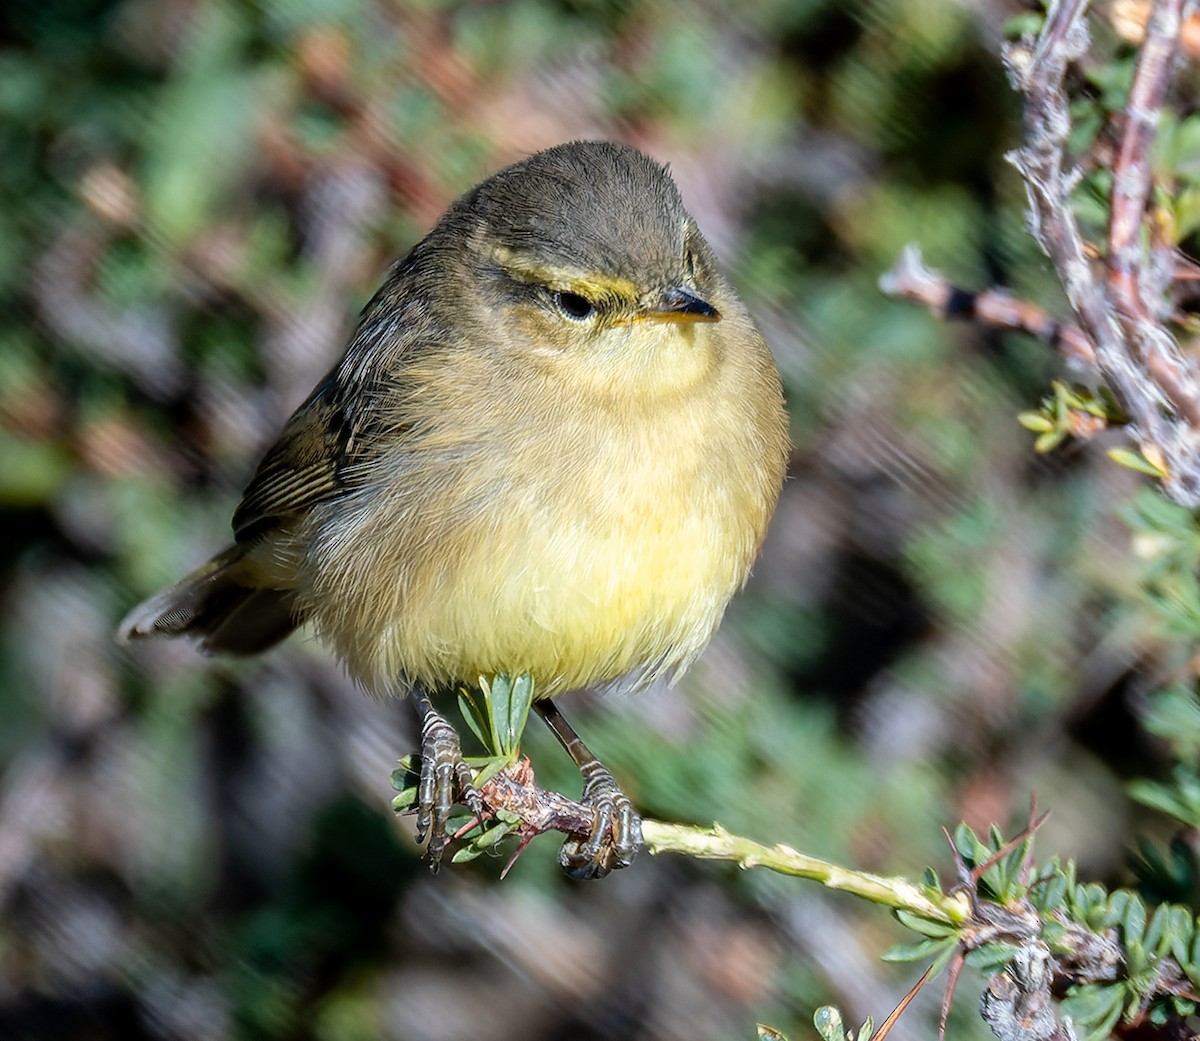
(220, 604)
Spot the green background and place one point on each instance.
(195, 198)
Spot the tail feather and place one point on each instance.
(220, 604)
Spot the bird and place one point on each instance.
(552, 447)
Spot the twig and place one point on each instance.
(886, 1026)
(515, 790)
(1131, 169)
(911, 279)
(1135, 354)
(1040, 163)
(1140, 298)
(716, 843)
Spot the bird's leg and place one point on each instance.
(442, 765)
(616, 828)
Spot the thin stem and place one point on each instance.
(716, 843)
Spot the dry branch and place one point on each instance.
(1121, 294)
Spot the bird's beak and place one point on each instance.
(676, 304)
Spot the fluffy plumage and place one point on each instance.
(490, 480)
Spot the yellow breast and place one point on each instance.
(574, 537)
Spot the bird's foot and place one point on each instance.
(442, 768)
(616, 830)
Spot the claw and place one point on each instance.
(442, 768)
(616, 831)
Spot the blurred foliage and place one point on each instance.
(195, 197)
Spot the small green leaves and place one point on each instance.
(828, 1021)
(1071, 412)
(1179, 797)
(830, 1026)
(1173, 714)
(485, 839)
(1049, 892)
(404, 781)
(941, 940)
(1113, 956)
(922, 950)
(1166, 541)
(497, 713)
(1004, 877)
(1094, 1009)
(924, 926)
(991, 956)
(1146, 462)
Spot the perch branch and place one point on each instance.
(515, 790)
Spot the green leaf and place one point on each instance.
(1136, 961)
(1192, 965)
(1092, 906)
(1057, 936)
(1049, 893)
(919, 951)
(1133, 921)
(1183, 1006)
(1180, 933)
(511, 710)
(991, 956)
(1134, 461)
(1164, 798)
(496, 697)
(404, 800)
(407, 773)
(1094, 1009)
(465, 854)
(1038, 422)
(968, 845)
(1158, 936)
(938, 930)
(1049, 441)
(487, 767)
(828, 1021)
(475, 717)
(404, 781)
(493, 836)
(1174, 712)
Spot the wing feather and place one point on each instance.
(303, 467)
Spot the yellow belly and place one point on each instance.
(540, 520)
(574, 603)
(596, 560)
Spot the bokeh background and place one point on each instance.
(195, 198)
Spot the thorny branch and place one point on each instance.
(1131, 170)
(1018, 1003)
(514, 790)
(1138, 285)
(1052, 951)
(1134, 352)
(1122, 301)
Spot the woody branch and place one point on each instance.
(1122, 301)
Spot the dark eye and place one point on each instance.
(574, 306)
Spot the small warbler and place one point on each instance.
(551, 447)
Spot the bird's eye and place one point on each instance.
(574, 306)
